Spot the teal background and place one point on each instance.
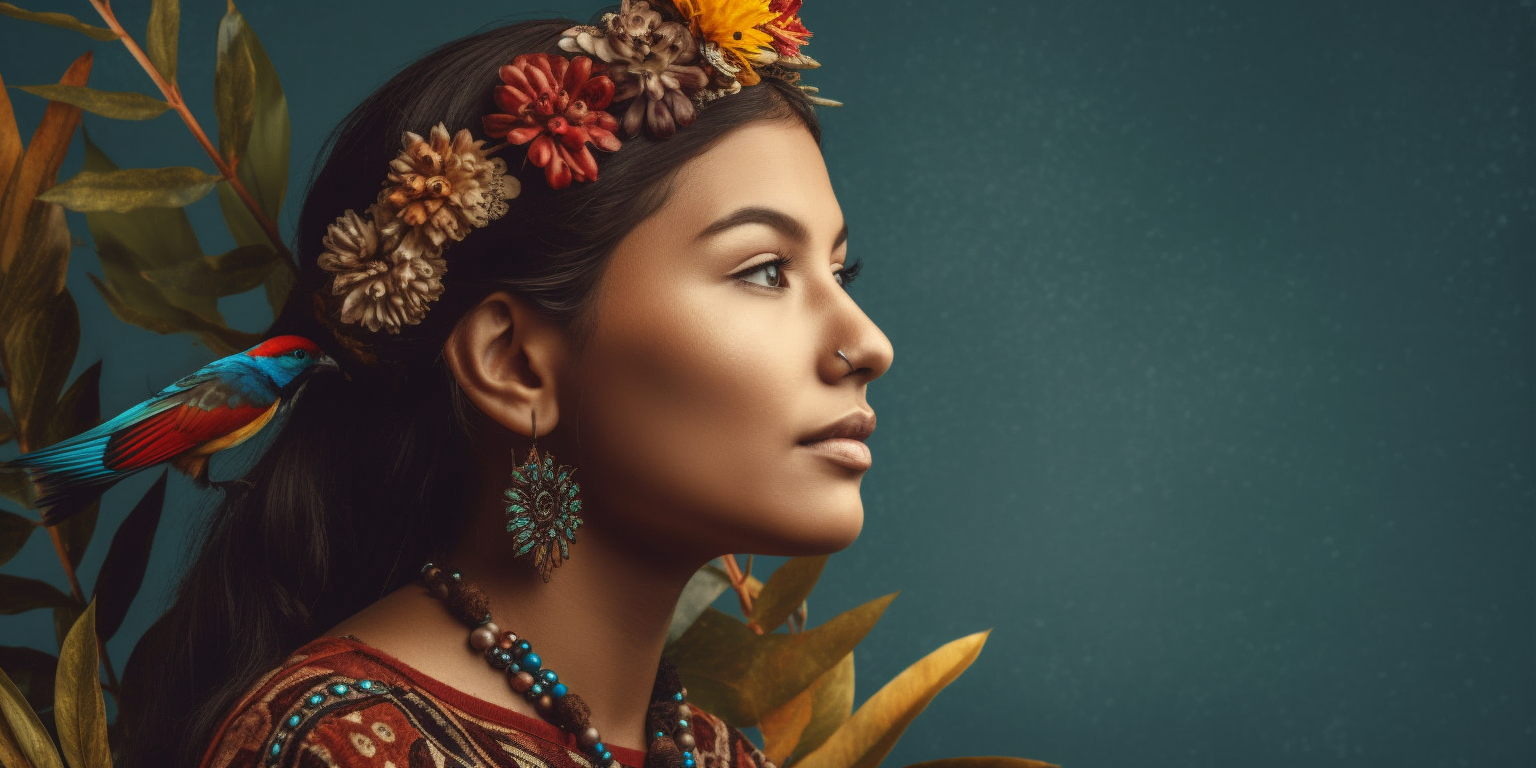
(1212, 394)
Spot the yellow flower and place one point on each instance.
(732, 25)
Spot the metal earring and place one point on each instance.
(544, 507)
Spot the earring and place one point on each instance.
(544, 507)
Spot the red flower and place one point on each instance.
(557, 104)
(787, 30)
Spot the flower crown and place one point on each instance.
(666, 58)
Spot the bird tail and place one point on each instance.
(68, 474)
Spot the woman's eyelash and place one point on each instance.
(783, 262)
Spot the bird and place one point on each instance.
(219, 406)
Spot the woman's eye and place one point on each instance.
(772, 270)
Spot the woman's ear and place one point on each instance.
(506, 355)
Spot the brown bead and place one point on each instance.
(440, 589)
(506, 640)
(683, 712)
(684, 740)
(522, 681)
(588, 738)
(545, 704)
(482, 638)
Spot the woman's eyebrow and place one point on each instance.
(783, 222)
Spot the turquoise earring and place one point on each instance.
(544, 507)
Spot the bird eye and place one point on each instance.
(300, 354)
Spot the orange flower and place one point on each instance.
(732, 25)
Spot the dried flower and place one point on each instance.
(386, 274)
(650, 61)
(732, 25)
(446, 186)
(789, 33)
(558, 105)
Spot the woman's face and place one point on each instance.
(709, 364)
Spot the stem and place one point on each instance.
(172, 94)
(76, 592)
(743, 593)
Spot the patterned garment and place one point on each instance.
(337, 702)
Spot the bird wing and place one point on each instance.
(204, 413)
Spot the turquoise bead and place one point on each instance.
(277, 746)
(530, 662)
(316, 699)
(599, 748)
(293, 720)
(536, 690)
(558, 691)
(366, 685)
(607, 756)
(683, 723)
(340, 689)
(550, 677)
(688, 763)
(677, 696)
(659, 734)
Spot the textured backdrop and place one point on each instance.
(1212, 394)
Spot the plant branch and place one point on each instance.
(743, 590)
(172, 94)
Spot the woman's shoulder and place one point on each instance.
(338, 702)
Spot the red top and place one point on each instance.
(337, 701)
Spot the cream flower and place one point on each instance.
(386, 275)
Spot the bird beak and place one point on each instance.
(327, 363)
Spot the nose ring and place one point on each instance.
(846, 360)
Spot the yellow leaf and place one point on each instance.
(831, 706)
(870, 734)
(23, 740)
(79, 712)
(740, 676)
(983, 762)
(786, 589)
(782, 727)
(10, 139)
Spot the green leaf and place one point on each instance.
(706, 584)
(220, 339)
(234, 86)
(870, 734)
(63, 20)
(24, 742)
(741, 675)
(160, 37)
(39, 347)
(122, 105)
(32, 671)
(123, 571)
(14, 532)
(147, 239)
(831, 706)
(19, 594)
(80, 714)
(131, 188)
(15, 485)
(79, 409)
(227, 274)
(42, 260)
(786, 589)
(77, 528)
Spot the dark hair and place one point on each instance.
(367, 478)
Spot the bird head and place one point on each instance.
(288, 360)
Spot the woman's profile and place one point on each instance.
(595, 333)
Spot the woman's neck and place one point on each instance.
(600, 622)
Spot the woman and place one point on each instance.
(670, 330)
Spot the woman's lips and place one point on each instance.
(853, 454)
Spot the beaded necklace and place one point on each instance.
(666, 720)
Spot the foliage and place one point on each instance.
(795, 686)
